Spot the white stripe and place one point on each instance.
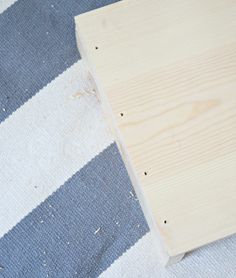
(215, 260)
(138, 261)
(45, 142)
(4, 4)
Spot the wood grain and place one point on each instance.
(167, 75)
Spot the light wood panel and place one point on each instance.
(166, 75)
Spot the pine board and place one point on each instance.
(166, 75)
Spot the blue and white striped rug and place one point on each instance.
(67, 207)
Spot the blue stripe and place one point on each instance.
(59, 237)
(37, 43)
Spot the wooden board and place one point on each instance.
(166, 75)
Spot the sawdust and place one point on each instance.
(97, 231)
